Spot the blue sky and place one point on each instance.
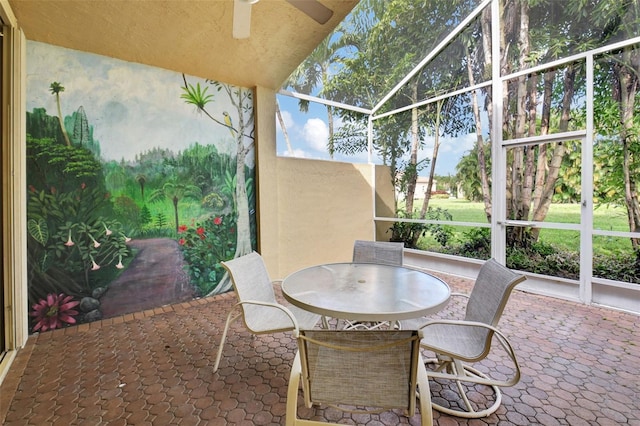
(163, 119)
(309, 133)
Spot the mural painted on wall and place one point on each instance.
(140, 181)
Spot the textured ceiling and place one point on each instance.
(190, 36)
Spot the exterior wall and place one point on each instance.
(385, 205)
(323, 207)
(311, 211)
(267, 177)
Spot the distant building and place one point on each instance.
(421, 187)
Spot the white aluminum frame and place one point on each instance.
(498, 219)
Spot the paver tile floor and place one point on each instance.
(580, 366)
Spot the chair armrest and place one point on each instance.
(422, 321)
(460, 295)
(502, 339)
(273, 305)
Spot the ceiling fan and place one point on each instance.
(242, 14)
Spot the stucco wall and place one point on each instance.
(322, 207)
(310, 211)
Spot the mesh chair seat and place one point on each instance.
(376, 369)
(380, 252)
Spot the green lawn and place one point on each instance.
(609, 218)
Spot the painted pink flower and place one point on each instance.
(182, 241)
(217, 220)
(106, 230)
(182, 228)
(120, 265)
(94, 265)
(54, 311)
(126, 239)
(95, 243)
(83, 185)
(69, 243)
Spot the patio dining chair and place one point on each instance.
(459, 343)
(257, 303)
(380, 252)
(368, 371)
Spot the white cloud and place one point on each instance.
(298, 153)
(288, 119)
(316, 133)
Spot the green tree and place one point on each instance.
(386, 41)
(468, 173)
(175, 192)
(314, 74)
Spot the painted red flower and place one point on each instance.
(217, 220)
(200, 231)
(54, 311)
(182, 241)
(182, 228)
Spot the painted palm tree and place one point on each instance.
(55, 89)
(176, 191)
(141, 179)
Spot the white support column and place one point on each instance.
(498, 157)
(586, 214)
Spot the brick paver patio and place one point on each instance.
(580, 366)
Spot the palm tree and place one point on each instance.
(55, 89)
(314, 73)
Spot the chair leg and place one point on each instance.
(462, 370)
(230, 318)
(292, 391)
(424, 393)
(325, 323)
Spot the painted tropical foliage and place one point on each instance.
(140, 181)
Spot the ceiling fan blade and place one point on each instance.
(241, 19)
(316, 10)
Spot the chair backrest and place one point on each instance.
(381, 252)
(491, 292)
(365, 368)
(251, 282)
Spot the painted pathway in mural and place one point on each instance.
(156, 277)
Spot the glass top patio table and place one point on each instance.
(366, 291)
